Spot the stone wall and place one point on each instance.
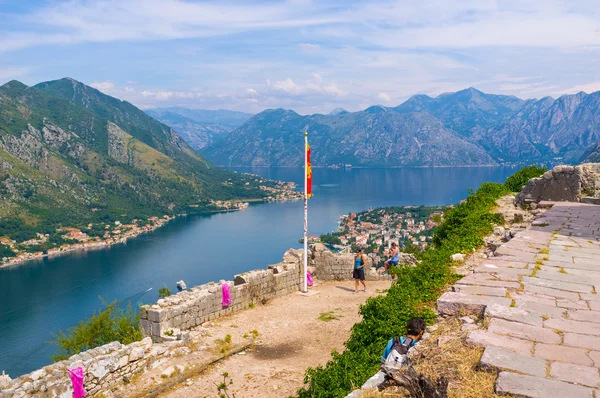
(563, 184)
(325, 265)
(170, 318)
(165, 325)
(104, 367)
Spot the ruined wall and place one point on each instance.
(103, 367)
(563, 184)
(170, 318)
(329, 266)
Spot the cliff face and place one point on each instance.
(456, 129)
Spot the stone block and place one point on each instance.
(480, 290)
(155, 315)
(566, 286)
(552, 352)
(451, 303)
(582, 341)
(484, 338)
(551, 292)
(584, 375)
(579, 327)
(513, 314)
(538, 387)
(521, 330)
(500, 358)
(136, 354)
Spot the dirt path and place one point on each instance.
(291, 339)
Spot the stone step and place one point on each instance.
(480, 290)
(554, 274)
(538, 387)
(452, 303)
(561, 353)
(484, 338)
(513, 314)
(584, 375)
(566, 286)
(499, 359)
(523, 331)
(567, 325)
(549, 292)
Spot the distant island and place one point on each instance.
(465, 128)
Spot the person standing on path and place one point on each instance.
(359, 270)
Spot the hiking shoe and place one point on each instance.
(355, 292)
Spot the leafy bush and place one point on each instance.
(518, 180)
(6, 251)
(164, 292)
(103, 327)
(412, 295)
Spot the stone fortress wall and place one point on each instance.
(563, 184)
(166, 325)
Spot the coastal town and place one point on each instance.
(374, 230)
(100, 235)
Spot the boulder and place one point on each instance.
(407, 259)
(458, 257)
(181, 286)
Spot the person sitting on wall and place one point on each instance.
(394, 257)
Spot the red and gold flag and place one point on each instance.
(308, 172)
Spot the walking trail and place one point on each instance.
(292, 333)
(540, 291)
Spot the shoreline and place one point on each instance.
(99, 244)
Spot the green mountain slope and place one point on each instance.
(70, 155)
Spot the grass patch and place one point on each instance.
(562, 270)
(251, 305)
(539, 261)
(545, 250)
(329, 316)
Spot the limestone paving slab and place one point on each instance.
(556, 275)
(484, 338)
(500, 358)
(582, 341)
(514, 314)
(572, 305)
(538, 387)
(561, 353)
(480, 290)
(550, 292)
(566, 286)
(584, 375)
(523, 331)
(451, 303)
(567, 325)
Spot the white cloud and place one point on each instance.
(253, 100)
(10, 73)
(309, 48)
(290, 87)
(384, 97)
(106, 87)
(251, 91)
(317, 77)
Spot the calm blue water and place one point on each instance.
(42, 297)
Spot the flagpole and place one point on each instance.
(305, 267)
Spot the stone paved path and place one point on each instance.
(542, 294)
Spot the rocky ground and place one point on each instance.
(284, 337)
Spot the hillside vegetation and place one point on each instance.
(70, 156)
(413, 294)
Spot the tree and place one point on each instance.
(103, 327)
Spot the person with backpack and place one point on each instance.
(396, 351)
(359, 270)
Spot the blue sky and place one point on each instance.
(310, 56)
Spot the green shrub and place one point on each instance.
(103, 327)
(518, 180)
(411, 295)
(164, 292)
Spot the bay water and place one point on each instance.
(45, 296)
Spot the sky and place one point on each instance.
(309, 56)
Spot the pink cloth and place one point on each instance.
(77, 380)
(226, 295)
(309, 280)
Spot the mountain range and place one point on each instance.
(465, 128)
(198, 127)
(71, 155)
